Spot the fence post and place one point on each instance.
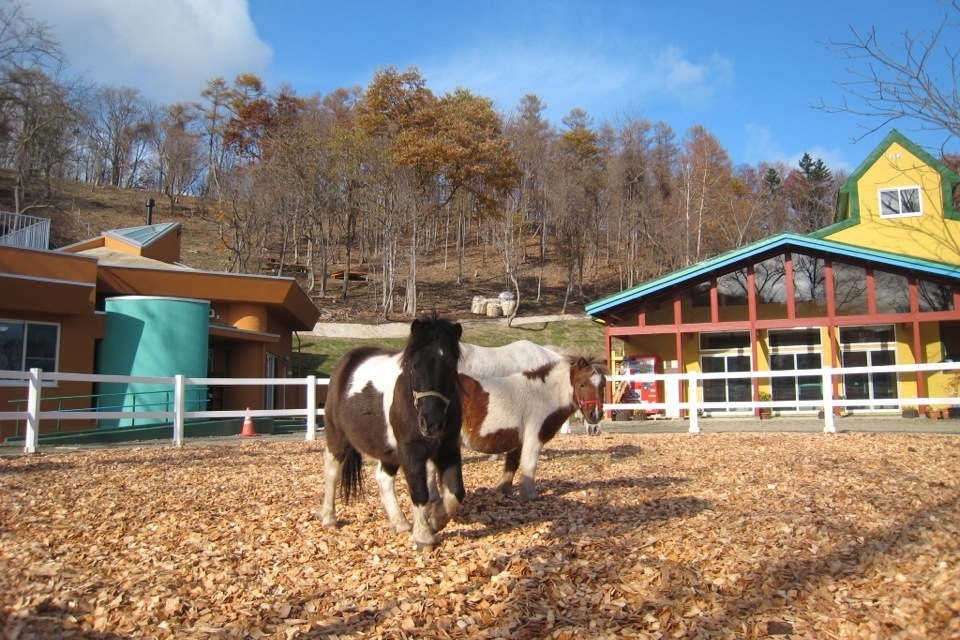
(311, 407)
(179, 404)
(692, 412)
(33, 412)
(827, 384)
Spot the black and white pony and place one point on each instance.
(403, 409)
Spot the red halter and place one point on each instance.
(585, 404)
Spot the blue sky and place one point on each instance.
(749, 72)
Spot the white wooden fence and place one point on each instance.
(693, 381)
(35, 380)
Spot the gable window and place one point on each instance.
(28, 345)
(902, 201)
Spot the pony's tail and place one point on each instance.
(351, 475)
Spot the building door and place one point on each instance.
(729, 389)
(869, 386)
(805, 390)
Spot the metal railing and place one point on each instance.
(157, 398)
(29, 232)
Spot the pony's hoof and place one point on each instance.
(402, 528)
(426, 547)
(327, 521)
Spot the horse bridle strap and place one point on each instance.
(419, 395)
(584, 404)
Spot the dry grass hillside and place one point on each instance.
(79, 211)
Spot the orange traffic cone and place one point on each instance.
(247, 430)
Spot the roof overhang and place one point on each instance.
(239, 335)
(284, 296)
(45, 295)
(773, 245)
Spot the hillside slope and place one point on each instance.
(80, 210)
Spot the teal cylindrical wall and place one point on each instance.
(152, 336)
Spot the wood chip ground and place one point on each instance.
(635, 536)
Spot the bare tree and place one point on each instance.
(916, 79)
(26, 43)
(120, 127)
(176, 152)
(36, 116)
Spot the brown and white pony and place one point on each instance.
(517, 414)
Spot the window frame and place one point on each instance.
(900, 213)
(24, 354)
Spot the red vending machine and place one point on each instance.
(647, 391)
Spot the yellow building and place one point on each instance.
(880, 286)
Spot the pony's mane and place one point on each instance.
(599, 365)
(428, 330)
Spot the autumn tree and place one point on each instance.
(37, 117)
(38, 112)
(704, 180)
(119, 127)
(811, 191)
(576, 194)
(214, 114)
(439, 149)
(271, 189)
(177, 154)
(532, 139)
(639, 175)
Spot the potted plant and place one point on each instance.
(909, 411)
(765, 412)
(954, 411)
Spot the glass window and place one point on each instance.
(794, 337)
(872, 385)
(902, 201)
(809, 286)
(695, 303)
(935, 296)
(732, 296)
(850, 289)
(726, 389)
(28, 345)
(724, 341)
(770, 277)
(11, 346)
(806, 389)
(659, 311)
(875, 334)
(893, 292)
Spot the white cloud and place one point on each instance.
(563, 79)
(834, 158)
(580, 75)
(166, 48)
(688, 82)
(760, 145)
